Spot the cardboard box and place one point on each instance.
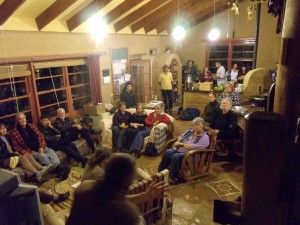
(94, 109)
(206, 86)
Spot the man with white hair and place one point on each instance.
(224, 123)
(193, 139)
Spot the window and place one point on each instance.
(14, 93)
(229, 52)
(67, 87)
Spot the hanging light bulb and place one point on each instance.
(179, 31)
(97, 27)
(214, 33)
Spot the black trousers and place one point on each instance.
(168, 98)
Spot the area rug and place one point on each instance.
(151, 169)
(223, 188)
(220, 167)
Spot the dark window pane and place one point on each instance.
(76, 69)
(80, 78)
(48, 72)
(10, 107)
(12, 80)
(47, 84)
(8, 91)
(78, 104)
(50, 98)
(51, 110)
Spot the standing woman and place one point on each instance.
(121, 122)
(137, 124)
(234, 73)
(166, 83)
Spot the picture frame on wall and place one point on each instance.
(106, 76)
(168, 50)
(153, 52)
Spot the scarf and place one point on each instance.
(29, 137)
(188, 133)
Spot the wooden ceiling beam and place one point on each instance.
(52, 12)
(86, 13)
(162, 12)
(139, 13)
(191, 5)
(120, 10)
(7, 8)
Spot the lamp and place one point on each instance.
(214, 33)
(97, 27)
(179, 31)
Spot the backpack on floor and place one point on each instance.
(189, 114)
(150, 150)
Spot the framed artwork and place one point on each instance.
(168, 50)
(120, 72)
(153, 51)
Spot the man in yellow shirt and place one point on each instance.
(166, 81)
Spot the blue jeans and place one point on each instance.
(171, 160)
(117, 136)
(47, 157)
(138, 141)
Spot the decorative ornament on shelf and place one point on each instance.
(251, 11)
(235, 7)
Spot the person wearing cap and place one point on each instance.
(127, 95)
(166, 83)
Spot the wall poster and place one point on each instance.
(120, 71)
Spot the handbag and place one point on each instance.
(13, 161)
(150, 150)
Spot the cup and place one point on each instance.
(123, 124)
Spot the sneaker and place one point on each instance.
(62, 197)
(41, 174)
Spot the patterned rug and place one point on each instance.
(151, 169)
(55, 185)
(220, 167)
(223, 188)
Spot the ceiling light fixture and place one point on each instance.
(179, 31)
(214, 33)
(97, 27)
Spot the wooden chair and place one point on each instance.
(196, 163)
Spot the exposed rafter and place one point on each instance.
(139, 14)
(86, 13)
(52, 12)
(7, 8)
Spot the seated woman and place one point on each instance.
(235, 97)
(137, 124)
(224, 123)
(211, 108)
(205, 76)
(70, 131)
(94, 170)
(10, 159)
(121, 121)
(193, 139)
(154, 118)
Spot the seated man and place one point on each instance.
(192, 139)
(154, 118)
(54, 141)
(28, 140)
(229, 93)
(224, 123)
(70, 131)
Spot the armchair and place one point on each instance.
(196, 163)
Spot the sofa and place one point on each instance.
(159, 135)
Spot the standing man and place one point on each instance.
(220, 76)
(166, 83)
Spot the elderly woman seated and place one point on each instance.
(193, 139)
(154, 118)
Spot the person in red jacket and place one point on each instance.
(154, 118)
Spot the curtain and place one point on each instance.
(95, 81)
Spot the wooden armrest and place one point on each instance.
(168, 145)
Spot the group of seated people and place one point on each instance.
(129, 131)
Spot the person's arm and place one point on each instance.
(116, 119)
(153, 191)
(16, 143)
(148, 120)
(230, 130)
(164, 119)
(40, 137)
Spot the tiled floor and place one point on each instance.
(193, 202)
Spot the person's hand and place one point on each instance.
(58, 135)
(135, 126)
(41, 150)
(126, 126)
(27, 155)
(177, 144)
(216, 131)
(155, 123)
(156, 190)
(49, 124)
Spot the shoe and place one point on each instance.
(137, 154)
(173, 182)
(62, 197)
(43, 172)
(62, 172)
(84, 162)
(125, 150)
